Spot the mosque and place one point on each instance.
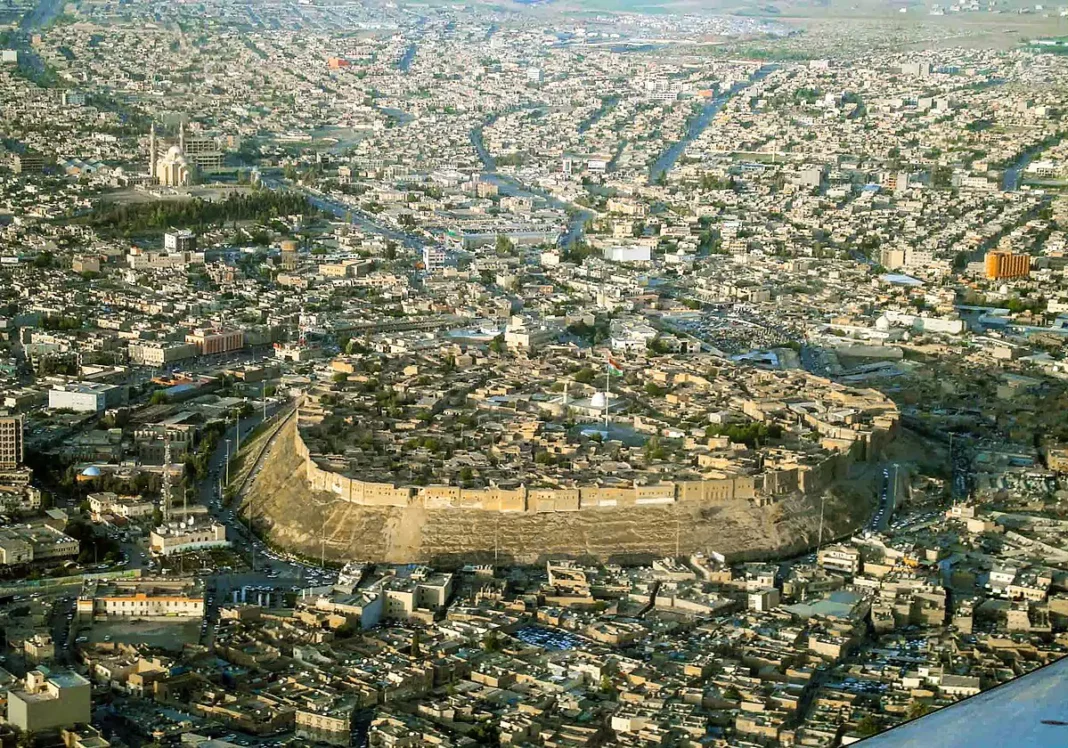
(173, 168)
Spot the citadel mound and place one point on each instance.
(454, 460)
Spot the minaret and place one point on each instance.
(152, 151)
(166, 477)
(181, 136)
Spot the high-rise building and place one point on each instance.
(10, 442)
(1002, 263)
(204, 152)
(27, 163)
(152, 155)
(290, 258)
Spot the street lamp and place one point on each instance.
(227, 463)
(322, 530)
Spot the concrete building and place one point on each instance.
(139, 259)
(1005, 264)
(86, 397)
(10, 442)
(764, 600)
(39, 648)
(840, 558)
(27, 163)
(159, 354)
(210, 342)
(49, 700)
(142, 598)
(23, 544)
(433, 259)
(120, 506)
(628, 254)
(180, 241)
(418, 596)
(144, 605)
(185, 538)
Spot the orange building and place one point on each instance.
(337, 62)
(209, 342)
(1005, 264)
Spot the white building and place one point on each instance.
(86, 397)
(180, 241)
(433, 259)
(635, 253)
(182, 538)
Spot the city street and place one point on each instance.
(269, 570)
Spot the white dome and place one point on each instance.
(598, 400)
(175, 152)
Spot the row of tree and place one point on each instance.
(261, 206)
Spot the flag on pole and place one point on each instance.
(614, 367)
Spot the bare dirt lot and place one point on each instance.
(170, 635)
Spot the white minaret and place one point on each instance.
(181, 136)
(152, 151)
(166, 477)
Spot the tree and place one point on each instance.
(918, 709)
(653, 449)
(159, 397)
(485, 733)
(868, 726)
(504, 246)
(585, 376)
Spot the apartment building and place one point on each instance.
(10, 442)
(181, 240)
(433, 259)
(840, 558)
(1006, 264)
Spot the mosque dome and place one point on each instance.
(175, 155)
(598, 400)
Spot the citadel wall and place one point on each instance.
(762, 488)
